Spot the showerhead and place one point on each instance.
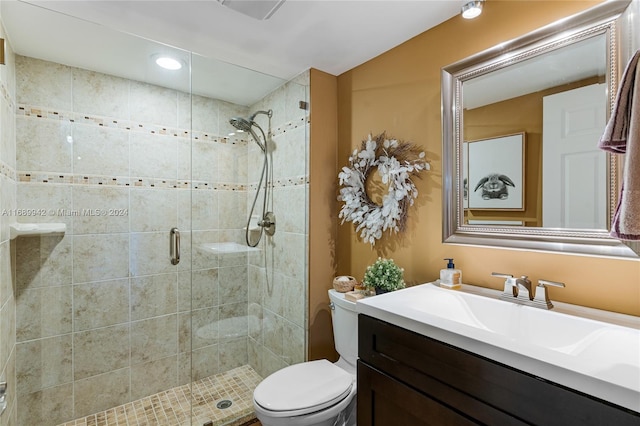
(245, 125)
(241, 123)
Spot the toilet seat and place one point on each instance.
(303, 388)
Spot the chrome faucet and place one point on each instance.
(523, 284)
(519, 290)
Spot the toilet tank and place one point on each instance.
(345, 326)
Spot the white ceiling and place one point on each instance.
(331, 35)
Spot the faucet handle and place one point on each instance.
(542, 283)
(501, 275)
(510, 287)
(542, 293)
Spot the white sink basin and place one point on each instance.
(565, 345)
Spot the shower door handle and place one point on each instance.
(174, 246)
(3, 396)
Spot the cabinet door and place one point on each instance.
(383, 401)
(486, 391)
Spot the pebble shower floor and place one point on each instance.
(172, 407)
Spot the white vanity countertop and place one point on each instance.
(589, 350)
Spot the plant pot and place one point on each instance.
(381, 291)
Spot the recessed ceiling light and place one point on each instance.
(472, 9)
(168, 63)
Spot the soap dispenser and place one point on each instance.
(450, 277)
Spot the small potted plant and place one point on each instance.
(383, 276)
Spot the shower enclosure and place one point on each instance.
(97, 322)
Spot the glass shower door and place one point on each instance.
(103, 149)
(223, 381)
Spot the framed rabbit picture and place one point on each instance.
(495, 173)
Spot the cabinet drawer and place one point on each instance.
(487, 391)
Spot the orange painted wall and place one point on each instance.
(323, 212)
(399, 92)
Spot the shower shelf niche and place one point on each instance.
(36, 229)
(226, 248)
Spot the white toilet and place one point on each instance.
(316, 393)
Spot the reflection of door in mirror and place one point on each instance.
(574, 180)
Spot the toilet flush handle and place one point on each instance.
(332, 306)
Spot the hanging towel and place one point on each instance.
(622, 136)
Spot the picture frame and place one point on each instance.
(496, 169)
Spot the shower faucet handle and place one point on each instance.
(268, 223)
(265, 223)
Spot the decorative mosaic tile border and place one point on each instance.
(300, 180)
(292, 125)
(285, 182)
(75, 117)
(74, 179)
(96, 120)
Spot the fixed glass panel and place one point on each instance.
(249, 198)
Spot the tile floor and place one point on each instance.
(172, 407)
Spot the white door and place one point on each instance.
(575, 171)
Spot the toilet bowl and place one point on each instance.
(316, 393)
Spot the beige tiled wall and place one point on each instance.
(278, 291)
(8, 354)
(102, 317)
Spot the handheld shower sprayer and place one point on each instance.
(268, 222)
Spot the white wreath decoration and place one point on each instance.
(397, 162)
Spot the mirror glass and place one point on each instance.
(521, 125)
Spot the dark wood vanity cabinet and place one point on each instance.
(406, 379)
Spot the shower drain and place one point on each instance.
(225, 403)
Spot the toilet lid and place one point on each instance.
(315, 384)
